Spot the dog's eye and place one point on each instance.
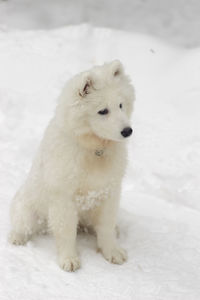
(104, 111)
(120, 106)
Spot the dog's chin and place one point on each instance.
(110, 138)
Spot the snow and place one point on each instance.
(160, 210)
(175, 21)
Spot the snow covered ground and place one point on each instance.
(160, 207)
(176, 21)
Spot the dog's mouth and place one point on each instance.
(121, 139)
(106, 137)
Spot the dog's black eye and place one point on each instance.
(104, 111)
(120, 105)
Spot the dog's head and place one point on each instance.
(100, 102)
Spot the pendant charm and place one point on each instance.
(99, 152)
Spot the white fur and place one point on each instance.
(77, 173)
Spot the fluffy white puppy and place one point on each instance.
(77, 173)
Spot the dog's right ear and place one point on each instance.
(86, 86)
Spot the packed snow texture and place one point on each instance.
(159, 217)
(174, 20)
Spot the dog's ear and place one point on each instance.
(86, 86)
(116, 68)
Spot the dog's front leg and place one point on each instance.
(63, 222)
(106, 234)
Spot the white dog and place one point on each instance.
(77, 173)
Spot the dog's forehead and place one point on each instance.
(104, 81)
(108, 97)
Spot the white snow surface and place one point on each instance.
(174, 20)
(159, 217)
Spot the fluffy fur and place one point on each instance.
(76, 175)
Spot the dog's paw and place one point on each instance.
(69, 264)
(17, 238)
(115, 255)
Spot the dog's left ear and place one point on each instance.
(86, 86)
(116, 68)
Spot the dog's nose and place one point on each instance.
(127, 131)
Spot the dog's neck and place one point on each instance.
(94, 144)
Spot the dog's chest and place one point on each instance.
(95, 183)
(87, 200)
(98, 176)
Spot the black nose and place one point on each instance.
(127, 131)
